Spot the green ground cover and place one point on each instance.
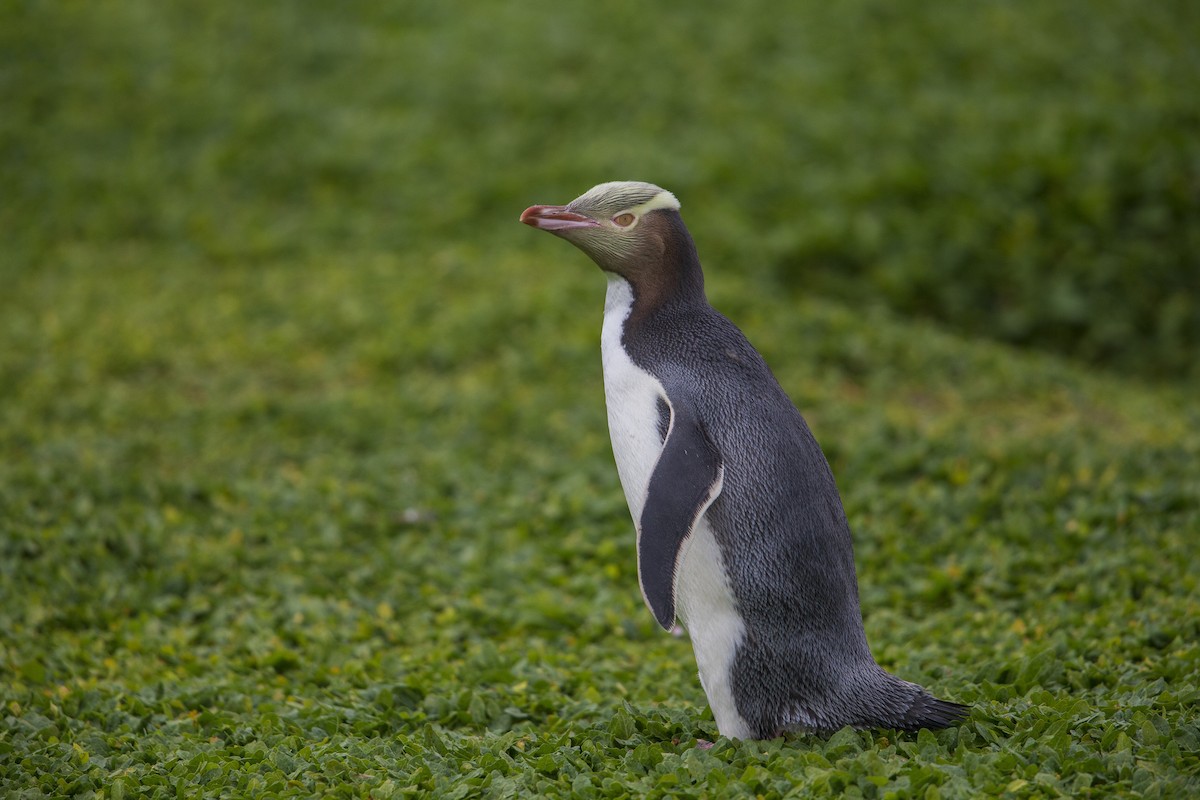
(305, 487)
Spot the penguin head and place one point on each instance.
(629, 228)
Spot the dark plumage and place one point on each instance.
(741, 531)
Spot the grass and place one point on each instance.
(306, 487)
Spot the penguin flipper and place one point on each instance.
(686, 479)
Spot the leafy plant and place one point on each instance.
(306, 487)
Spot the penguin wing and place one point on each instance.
(687, 478)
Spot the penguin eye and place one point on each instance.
(624, 220)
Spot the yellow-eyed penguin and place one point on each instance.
(740, 527)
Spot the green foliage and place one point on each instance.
(306, 488)
(289, 531)
(1024, 171)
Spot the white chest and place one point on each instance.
(632, 397)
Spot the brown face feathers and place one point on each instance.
(633, 230)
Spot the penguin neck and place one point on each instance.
(671, 279)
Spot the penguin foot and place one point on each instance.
(701, 744)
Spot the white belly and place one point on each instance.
(704, 600)
(707, 607)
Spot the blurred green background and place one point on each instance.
(305, 484)
(1028, 172)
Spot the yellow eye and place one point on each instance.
(624, 220)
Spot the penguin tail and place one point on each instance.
(928, 711)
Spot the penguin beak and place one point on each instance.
(556, 218)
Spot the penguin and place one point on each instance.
(741, 534)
